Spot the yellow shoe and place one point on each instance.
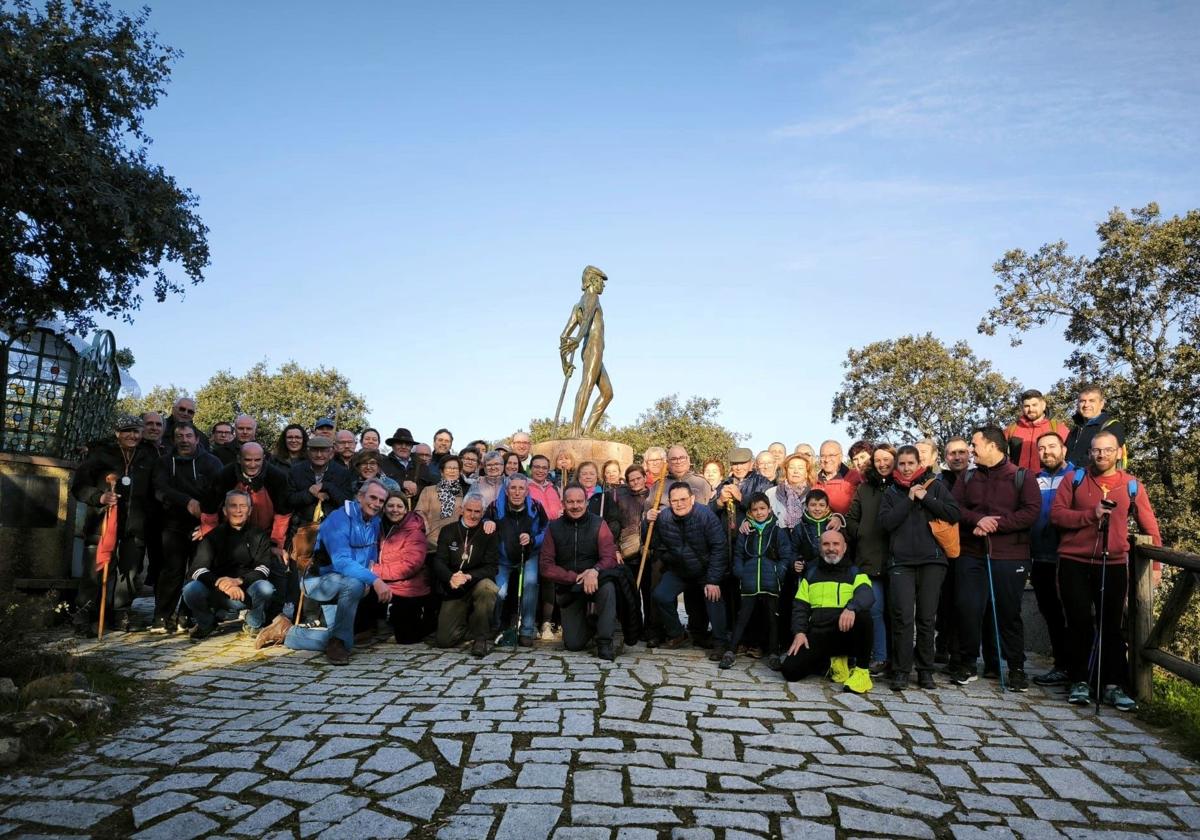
(839, 669)
(859, 681)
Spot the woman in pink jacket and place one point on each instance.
(401, 565)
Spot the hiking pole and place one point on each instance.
(658, 491)
(108, 536)
(1000, 661)
(1108, 505)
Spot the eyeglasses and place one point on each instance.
(676, 459)
(1108, 450)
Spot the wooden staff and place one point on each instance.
(658, 491)
(111, 479)
(318, 515)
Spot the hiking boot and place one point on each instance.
(525, 641)
(336, 652)
(925, 680)
(676, 642)
(715, 655)
(507, 638)
(1079, 695)
(879, 667)
(726, 660)
(604, 650)
(1017, 681)
(167, 625)
(774, 662)
(839, 669)
(365, 638)
(200, 632)
(962, 675)
(754, 652)
(479, 648)
(859, 681)
(1116, 697)
(273, 633)
(1053, 677)
(899, 681)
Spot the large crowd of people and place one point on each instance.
(880, 561)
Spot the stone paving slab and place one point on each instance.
(413, 742)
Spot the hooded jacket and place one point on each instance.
(992, 491)
(761, 558)
(694, 547)
(1022, 440)
(825, 591)
(530, 518)
(179, 480)
(402, 557)
(906, 521)
(1074, 513)
(868, 538)
(88, 485)
(1079, 441)
(351, 543)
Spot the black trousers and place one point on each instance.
(412, 619)
(577, 627)
(178, 549)
(972, 597)
(913, 595)
(1079, 587)
(763, 607)
(947, 616)
(652, 630)
(1044, 576)
(825, 643)
(122, 580)
(366, 617)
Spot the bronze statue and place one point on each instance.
(585, 329)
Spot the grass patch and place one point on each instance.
(1175, 708)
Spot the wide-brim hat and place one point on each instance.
(401, 436)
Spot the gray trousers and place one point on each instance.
(577, 630)
(471, 614)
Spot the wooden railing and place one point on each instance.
(1149, 637)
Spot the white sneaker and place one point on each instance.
(547, 634)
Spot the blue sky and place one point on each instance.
(410, 192)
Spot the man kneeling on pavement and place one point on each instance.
(347, 548)
(831, 620)
(578, 547)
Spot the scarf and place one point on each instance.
(792, 501)
(447, 493)
(901, 481)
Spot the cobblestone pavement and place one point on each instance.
(537, 744)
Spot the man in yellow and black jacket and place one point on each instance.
(831, 620)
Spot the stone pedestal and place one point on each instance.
(586, 449)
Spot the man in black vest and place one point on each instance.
(578, 547)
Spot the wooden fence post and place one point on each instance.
(1142, 623)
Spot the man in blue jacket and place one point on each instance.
(347, 547)
(695, 553)
(1043, 549)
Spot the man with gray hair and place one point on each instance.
(653, 462)
(245, 429)
(347, 548)
(465, 565)
(837, 480)
(522, 444)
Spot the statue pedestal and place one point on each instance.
(586, 449)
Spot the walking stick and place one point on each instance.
(1100, 607)
(318, 515)
(1000, 661)
(563, 393)
(658, 491)
(107, 542)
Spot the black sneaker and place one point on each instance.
(961, 675)
(199, 633)
(899, 681)
(726, 660)
(925, 680)
(166, 625)
(1017, 681)
(774, 662)
(1055, 676)
(604, 650)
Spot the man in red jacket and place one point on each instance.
(1031, 425)
(999, 505)
(837, 480)
(1085, 499)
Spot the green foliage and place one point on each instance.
(692, 424)
(1132, 314)
(1176, 706)
(84, 215)
(160, 398)
(125, 359)
(915, 386)
(291, 394)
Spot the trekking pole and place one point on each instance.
(1100, 607)
(105, 550)
(658, 491)
(521, 587)
(1000, 661)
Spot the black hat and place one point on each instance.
(401, 436)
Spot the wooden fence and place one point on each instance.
(1150, 637)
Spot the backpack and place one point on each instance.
(1018, 479)
(1132, 488)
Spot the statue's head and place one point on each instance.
(594, 279)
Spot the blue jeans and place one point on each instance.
(338, 596)
(529, 591)
(204, 602)
(879, 649)
(665, 595)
